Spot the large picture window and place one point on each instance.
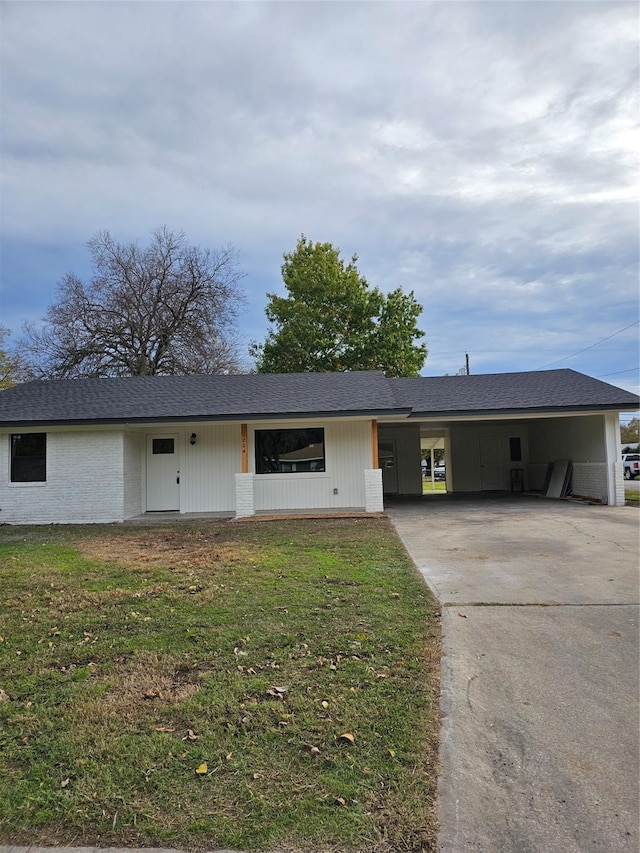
(29, 457)
(289, 451)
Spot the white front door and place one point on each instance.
(163, 473)
(491, 463)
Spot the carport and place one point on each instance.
(501, 432)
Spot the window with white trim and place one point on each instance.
(29, 457)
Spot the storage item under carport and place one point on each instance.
(557, 482)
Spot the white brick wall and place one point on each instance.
(618, 476)
(244, 496)
(84, 481)
(590, 480)
(374, 499)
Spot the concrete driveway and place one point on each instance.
(540, 673)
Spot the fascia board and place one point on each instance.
(505, 414)
(178, 419)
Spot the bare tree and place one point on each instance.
(169, 308)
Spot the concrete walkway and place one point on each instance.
(540, 672)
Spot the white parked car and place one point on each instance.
(631, 463)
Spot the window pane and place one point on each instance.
(289, 451)
(29, 458)
(515, 449)
(162, 445)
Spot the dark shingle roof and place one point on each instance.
(541, 390)
(251, 396)
(165, 398)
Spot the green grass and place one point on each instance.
(437, 486)
(632, 497)
(131, 657)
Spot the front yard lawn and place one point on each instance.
(247, 685)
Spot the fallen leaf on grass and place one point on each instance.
(341, 802)
(4, 697)
(190, 735)
(64, 783)
(164, 729)
(202, 769)
(347, 736)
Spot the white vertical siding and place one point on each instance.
(208, 468)
(578, 438)
(348, 452)
(408, 455)
(84, 481)
(590, 442)
(466, 461)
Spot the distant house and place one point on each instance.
(625, 447)
(104, 450)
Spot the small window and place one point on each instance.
(289, 451)
(515, 449)
(162, 445)
(29, 457)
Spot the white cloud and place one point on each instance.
(482, 153)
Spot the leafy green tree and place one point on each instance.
(332, 320)
(630, 433)
(12, 369)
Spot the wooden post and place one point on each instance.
(374, 443)
(243, 445)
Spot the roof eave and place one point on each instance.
(177, 419)
(519, 412)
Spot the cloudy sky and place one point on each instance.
(481, 154)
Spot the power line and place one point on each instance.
(591, 346)
(433, 353)
(618, 372)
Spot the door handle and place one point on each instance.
(178, 477)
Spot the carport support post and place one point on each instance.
(374, 444)
(244, 449)
(615, 473)
(373, 493)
